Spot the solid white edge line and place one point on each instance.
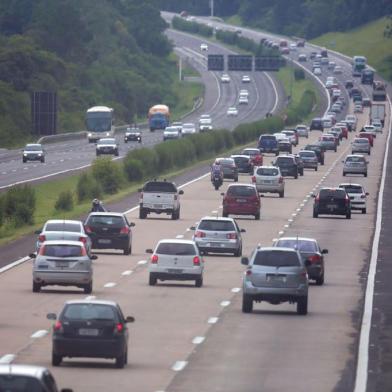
(7, 358)
(275, 91)
(363, 350)
(14, 264)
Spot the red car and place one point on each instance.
(256, 157)
(368, 136)
(241, 199)
(344, 129)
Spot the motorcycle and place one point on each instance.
(216, 181)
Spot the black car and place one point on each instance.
(285, 146)
(332, 201)
(91, 329)
(319, 150)
(109, 230)
(287, 165)
(133, 135)
(317, 124)
(243, 163)
(349, 84)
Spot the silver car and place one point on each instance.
(176, 260)
(275, 275)
(188, 129)
(268, 179)
(302, 130)
(361, 145)
(171, 133)
(357, 196)
(355, 164)
(218, 235)
(63, 263)
(309, 158)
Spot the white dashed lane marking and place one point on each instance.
(141, 262)
(235, 290)
(39, 334)
(198, 339)
(8, 358)
(225, 303)
(110, 284)
(213, 320)
(179, 365)
(126, 273)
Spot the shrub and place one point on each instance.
(88, 188)
(299, 74)
(107, 174)
(19, 205)
(64, 202)
(133, 169)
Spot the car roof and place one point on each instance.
(23, 370)
(91, 301)
(63, 242)
(176, 241)
(219, 218)
(274, 248)
(106, 214)
(350, 184)
(297, 238)
(63, 221)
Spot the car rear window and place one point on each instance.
(216, 225)
(355, 159)
(241, 159)
(352, 188)
(61, 251)
(226, 162)
(313, 148)
(307, 154)
(72, 227)
(361, 141)
(267, 171)
(175, 249)
(335, 193)
(276, 258)
(241, 190)
(160, 186)
(106, 220)
(251, 152)
(301, 245)
(19, 383)
(284, 161)
(267, 137)
(89, 312)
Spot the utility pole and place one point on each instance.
(180, 69)
(212, 7)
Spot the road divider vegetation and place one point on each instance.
(192, 27)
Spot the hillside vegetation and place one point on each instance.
(368, 40)
(109, 52)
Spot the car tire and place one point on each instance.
(97, 154)
(296, 176)
(199, 282)
(316, 168)
(216, 187)
(238, 252)
(128, 250)
(369, 153)
(24, 160)
(225, 214)
(120, 361)
(344, 174)
(281, 194)
(302, 305)
(88, 288)
(257, 216)
(247, 303)
(36, 287)
(365, 174)
(142, 213)
(152, 280)
(236, 179)
(320, 280)
(322, 163)
(43, 160)
(116, 153)
(363, 210)
(125, 140)
(315, 214)
(348, 215)
(335, 149)
(56, 359)
(301, 172)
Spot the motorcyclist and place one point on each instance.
(216, 173)
(97, 206)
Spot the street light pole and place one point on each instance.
(212, 7)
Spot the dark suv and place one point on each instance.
(317, 124)
(332, 201)
(319, 150)
(268, 143)
(109, 230)
(288, 165)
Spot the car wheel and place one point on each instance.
(126, 357)
(247, 304)
(120, 361)
(296, 176)
(116, 153)
(238, 252)
(36, 287)
(152, 280)
(281, 194)
(335, 149)
(88, 288)
(56, 359)
(302, 305)
(216, 187)
(344, 174)
(316, 168)
(225, 214)
(127, 251)
(320, 280)
(301, 172)
(97, 154)
(24, 160)
(363, 210)
(369, 153)
(43, 160)
(277, 153)
(125, 140)
(348, 215)
(365, 174)
(199, 282)
(315, 214)
(142, 213)
(257, 216)
(236, 179)
(322, 163)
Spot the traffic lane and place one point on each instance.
(109, 268)
(316, 352)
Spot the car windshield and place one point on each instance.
(241, 190)
(216, 225)
(276, 258)
(89, 312)
(298, 244)
(19, 383)
(59, 226)
(106, 220)
(173, 248)
(352, 188)
(335, 193)
(106, 141)
(33, 147)
(61, 251)
(284, 161)
(159, 187)
(267, 171)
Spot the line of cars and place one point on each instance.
(243, 97)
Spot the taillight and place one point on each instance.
(83, 252)
(154, 259)
(87, 229)
(248, 272)
(175, 197)
(253, 178)
(317, 198)
(314, 259)
(119, 328)
(58, 327)
(42, 250)
(347, 200)
(231, 236)
(196, 260)
(280, 180)
(363, 196)
(41, 238)
(304, 274)
(124, 230)
(83, 239)
(200, 234)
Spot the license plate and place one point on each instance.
(104, 241)
(174, 271)
(276, 278)
(88, 332)
(241, 200)
(157, 205)
(332, 206)
(267, 182)
(61, 264)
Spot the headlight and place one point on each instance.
(107, 133)
(89, 135)
(39, 154)
(24, 154)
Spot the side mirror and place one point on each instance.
(324, 251)
(192, 228)
(51, 316)
(93, 257)
(180, 192)
(132, 224)
(222, 194)
(367, 193)
(32, 255)
(244, 261)
(149, 251)
(38, 232)
(130, 319)
(243, 231)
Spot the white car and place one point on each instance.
(352, 119)
(331, 65)
(232, 111)
(281, 136)
(302, 130)
(358, 108)
(357, 196)
(327, 122)
(205, 123)
(175, 259)
(291, 136)
(317, 71)
(203, 47)
(243, 100)
(371, 129)
(188, 129)
(171, 133)
(377, 124)
(225, 78)
(336, 93)
(245, 79)
(302, 58)
(293, 47)
(338, 70)
(244, 92)
(268, 179)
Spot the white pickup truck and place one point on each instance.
(160, 197)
